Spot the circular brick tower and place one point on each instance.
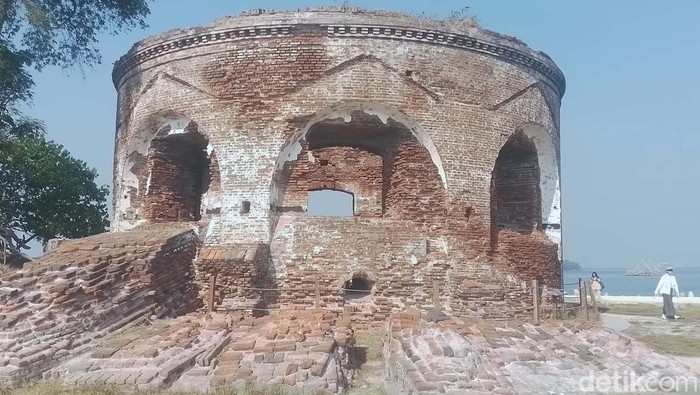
(437, 140)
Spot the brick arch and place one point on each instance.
(550, 170)
(338, 126)
(156, 168)
(515, 189)
(344, 110)
(545, 157)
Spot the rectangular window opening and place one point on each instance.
(330, 203)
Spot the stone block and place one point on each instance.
(284, 346)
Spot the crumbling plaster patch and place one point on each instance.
(549, 179)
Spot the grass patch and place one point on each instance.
(670, 344)
(53, 388)
(671, 337)
(687, 312)
(372, 341)
(370, 377)
(570, 311)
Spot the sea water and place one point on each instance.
(617, 284)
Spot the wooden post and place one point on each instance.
(436, 295)
(212, 289)
(318, 295)
(585, 299)
(536, 300)
(580, 292)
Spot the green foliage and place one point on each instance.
(46, 193)
(571, 265)
(15, 86)
(57, 33)
(64, 32)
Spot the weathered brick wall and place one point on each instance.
(437, 107)
(55, 306)
(413, 188)
(242, 272)
(404, 261)
(516, 186)
(348, 169)
(177, 169)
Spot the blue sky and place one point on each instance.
(630, 144)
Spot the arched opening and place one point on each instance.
(357, 287)
(515, 187)
(178, 172)
(390, 172)
(330, 203)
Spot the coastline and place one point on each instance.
(621, 299)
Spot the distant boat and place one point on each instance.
(644, 269)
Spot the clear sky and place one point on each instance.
(630, 134)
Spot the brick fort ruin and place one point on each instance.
(439, 140)
(443, 139)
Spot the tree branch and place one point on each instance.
(23, 244)
(5, 6)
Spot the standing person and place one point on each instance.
(597, 285)
(668, 287)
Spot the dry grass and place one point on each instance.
(52, 388)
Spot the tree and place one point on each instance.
(64, 32)
(571, 265)
(45, 193)
(15, 87)
(53, 33)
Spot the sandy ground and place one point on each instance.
(634, 325)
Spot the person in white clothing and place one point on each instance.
(668, 288)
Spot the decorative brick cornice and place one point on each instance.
(552, 74)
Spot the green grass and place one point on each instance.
(687, 312)
(680, 337)
(370, 377)
(683, 345)
(373, 341)
(572, 311)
